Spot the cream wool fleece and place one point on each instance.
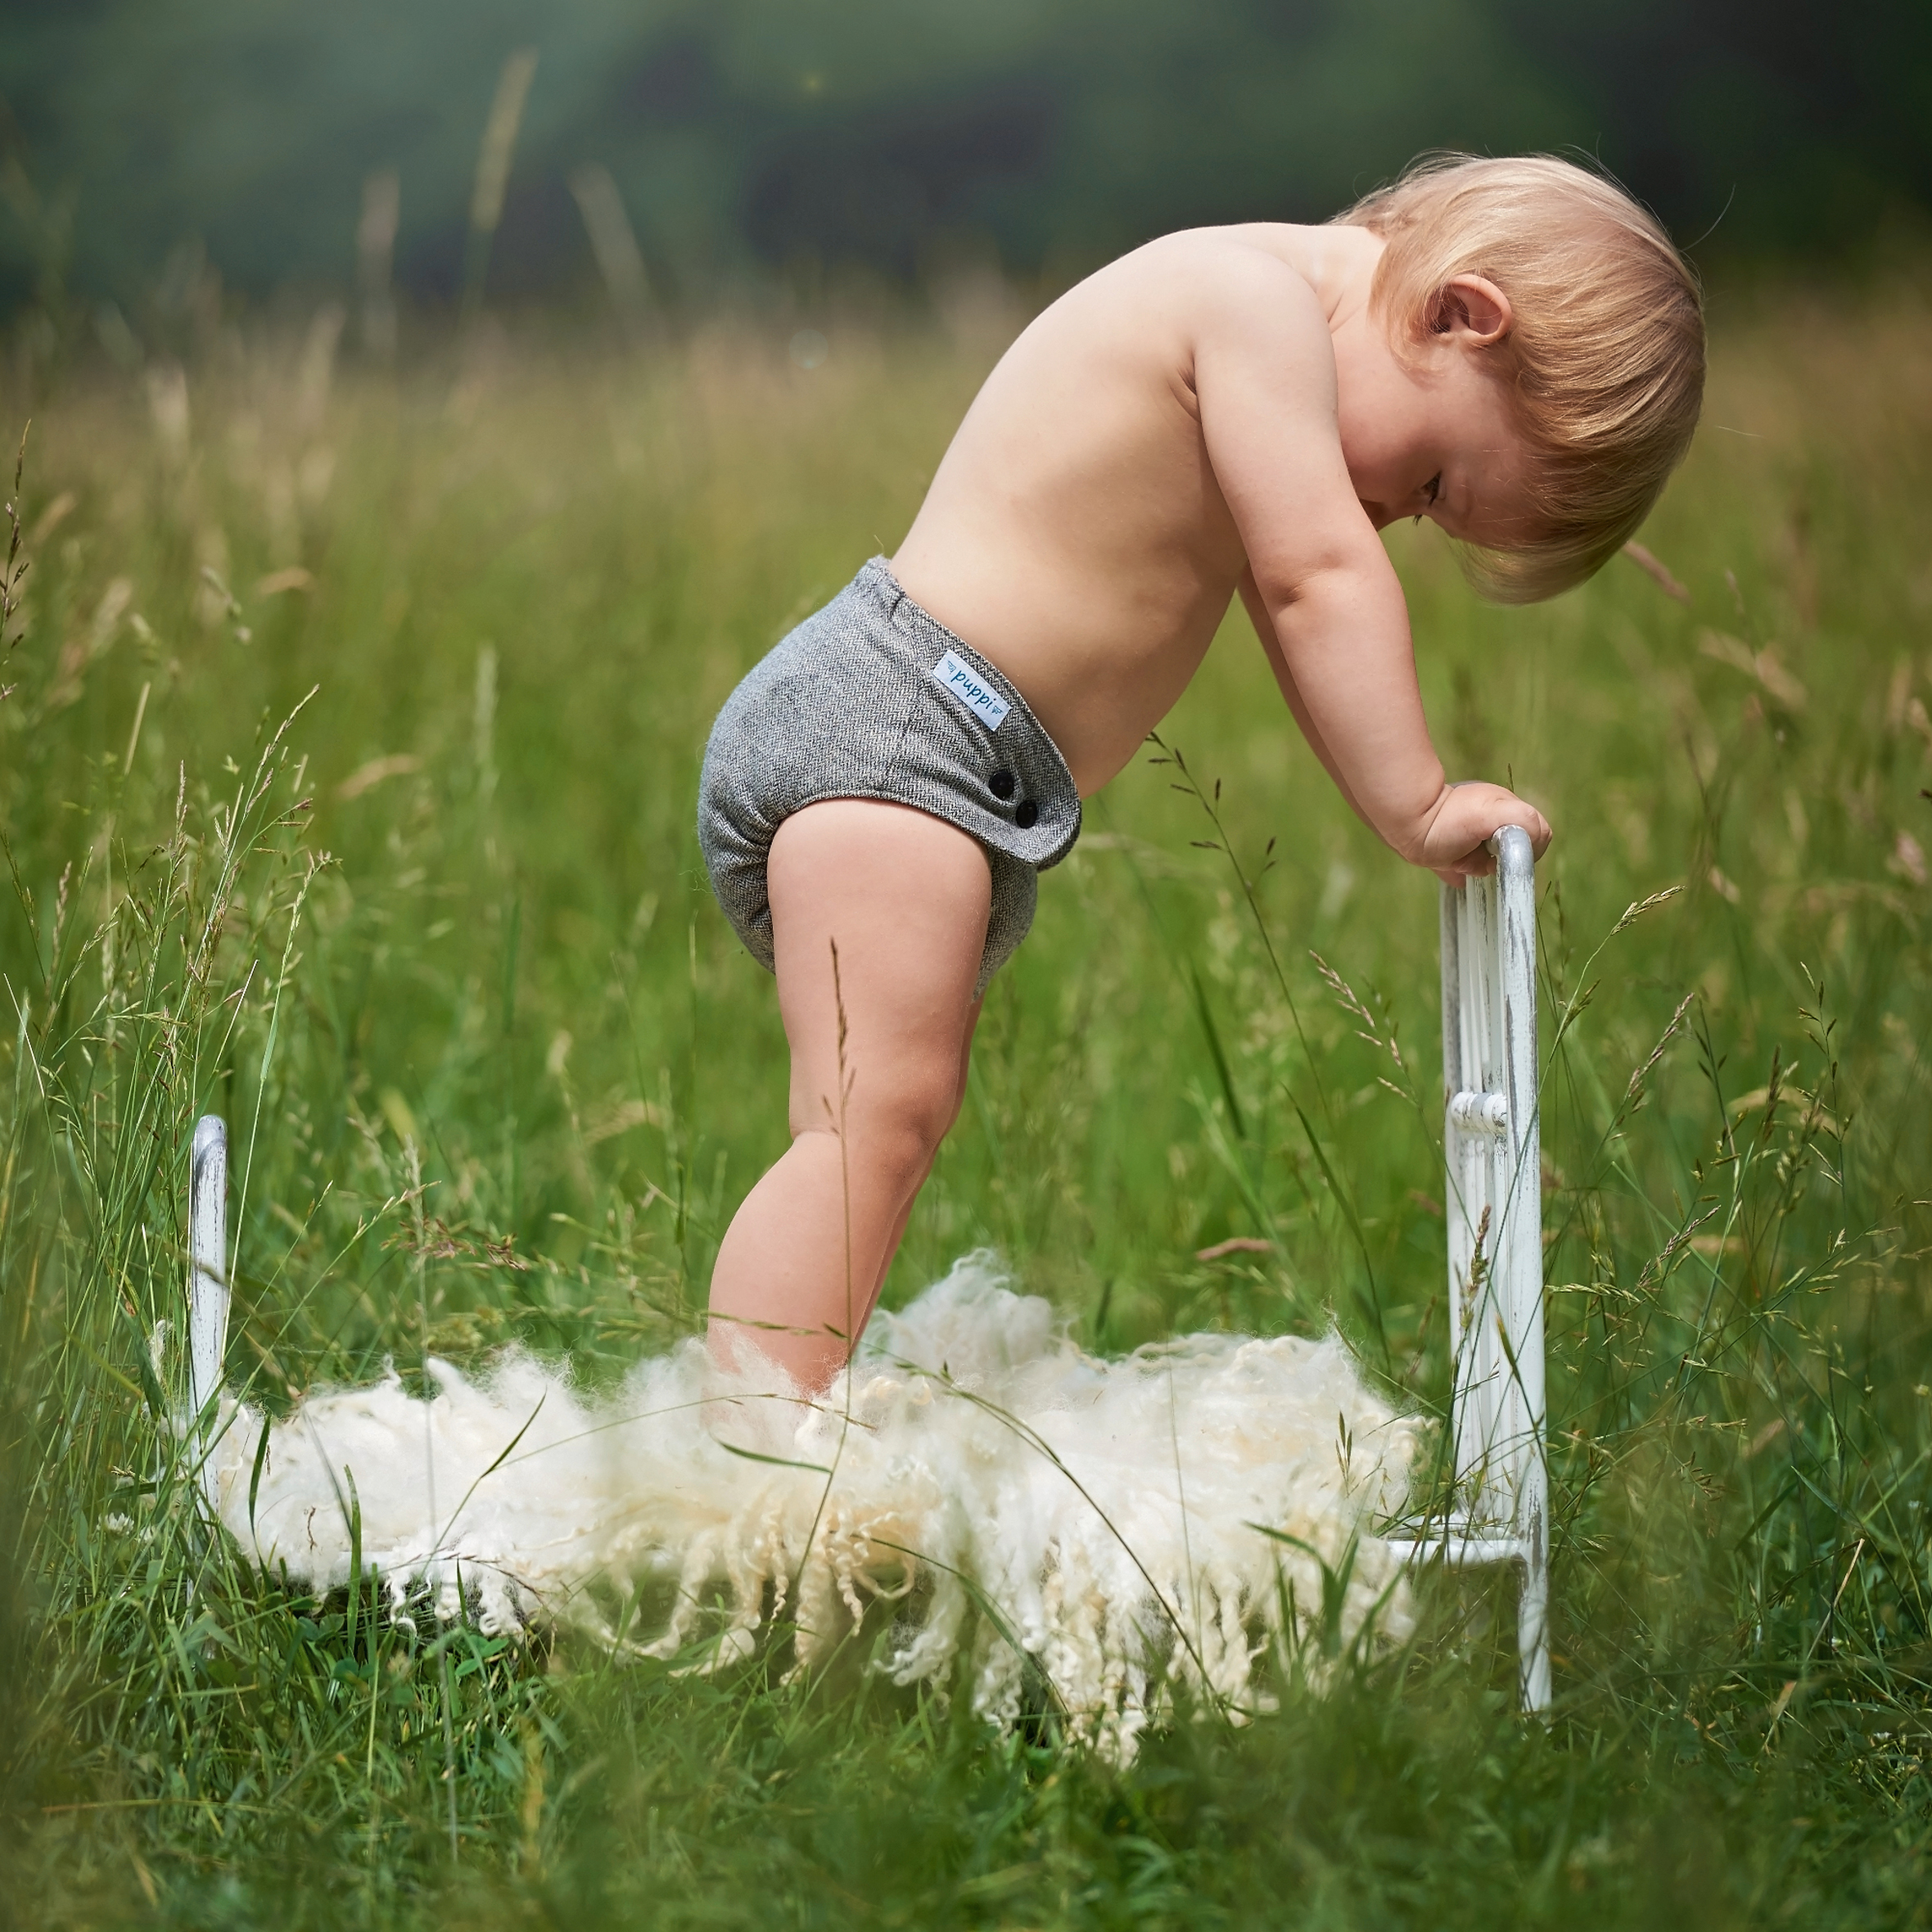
(1105, 1518)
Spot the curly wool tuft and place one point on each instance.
(1108, 1519)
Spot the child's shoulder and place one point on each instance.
(1272, 277)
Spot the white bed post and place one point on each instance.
(207, 1283)
(1494, 1204)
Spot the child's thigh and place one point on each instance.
(905, 897)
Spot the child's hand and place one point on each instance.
(1455, 841)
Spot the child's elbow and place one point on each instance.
(1343, 575)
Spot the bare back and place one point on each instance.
(1076, 533)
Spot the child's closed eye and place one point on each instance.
(1431, 490)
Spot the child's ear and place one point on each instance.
(1474, 307)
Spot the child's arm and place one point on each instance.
(1488, 801)
(1264, 629)
(1264, 376)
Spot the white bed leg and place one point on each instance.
(207, 1283)
(1492, 1155)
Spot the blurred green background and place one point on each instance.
(459, 934)
(745, 136)
(460, 931)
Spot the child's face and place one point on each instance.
(1434, 434)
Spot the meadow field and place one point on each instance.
(346, 780)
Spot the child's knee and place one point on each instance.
(907, 1127)
(893, 1132)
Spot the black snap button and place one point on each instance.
(1027, 816)
(1000, 784)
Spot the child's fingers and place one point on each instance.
(1477, 862)
(1486, 810)
(1522, 813)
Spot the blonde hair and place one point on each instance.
(1605, 355)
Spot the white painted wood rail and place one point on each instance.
(207, 1283)
(1494, 1201)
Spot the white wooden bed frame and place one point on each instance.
(1491, 1151)
(1494, 1206)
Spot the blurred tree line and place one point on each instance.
(679, 143)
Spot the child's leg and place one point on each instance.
(952, 1116)
(905, 897)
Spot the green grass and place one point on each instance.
(491, 967)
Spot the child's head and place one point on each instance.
(1605, 356)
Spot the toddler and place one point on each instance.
(1511, 348)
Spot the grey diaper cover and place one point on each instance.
(873, 698)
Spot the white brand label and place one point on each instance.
(974, 692)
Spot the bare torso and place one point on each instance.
(1219, 410)
(1075, 534)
